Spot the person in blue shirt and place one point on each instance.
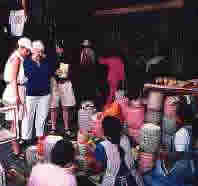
(38, 69)
(113, 156)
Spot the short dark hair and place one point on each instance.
(112, 128)
(62, 153)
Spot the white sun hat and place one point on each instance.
(86, 43)
(38, 45)
(25, 42)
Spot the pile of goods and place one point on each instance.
(86, 145)
(166, 81)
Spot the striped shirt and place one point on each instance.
(108, 154)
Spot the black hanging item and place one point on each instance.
(60, 55)
(60, 43)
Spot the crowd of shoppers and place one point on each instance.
(36, 81)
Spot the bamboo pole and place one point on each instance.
(141, 8)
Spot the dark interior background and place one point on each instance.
(174, 30)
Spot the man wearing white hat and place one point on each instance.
(38, 71)
(14, 73)
(14, 77)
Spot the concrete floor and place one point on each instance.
(7, 157)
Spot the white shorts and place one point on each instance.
(62, 92)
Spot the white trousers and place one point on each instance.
(37, 106)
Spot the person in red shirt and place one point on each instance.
(116, 72)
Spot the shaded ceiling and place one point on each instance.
(106, 4)
(78, 11)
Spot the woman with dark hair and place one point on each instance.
(113, 156)
(63, 155)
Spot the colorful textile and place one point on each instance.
(112, 110)
(115, 74)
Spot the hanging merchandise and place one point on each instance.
(60, 50)
(17, 21)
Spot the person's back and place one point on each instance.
(50, 175)
(114, 156)
(62, 155)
